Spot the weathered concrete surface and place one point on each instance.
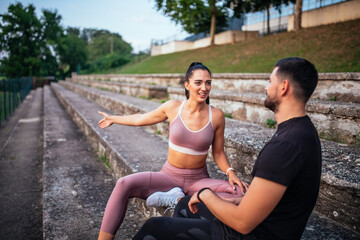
(333, 119)
(243, 141)
(340, 86)
(320, 227)
(158, 79)
(77, 184)
(21, 171)
(119, 104)
(339, 120)
(131, 89)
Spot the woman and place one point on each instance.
(194, 126)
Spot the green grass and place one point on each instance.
(228, 115)
(104, 160)
(332, 48)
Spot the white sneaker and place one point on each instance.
(165, 199)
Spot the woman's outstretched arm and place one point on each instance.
(160, 114)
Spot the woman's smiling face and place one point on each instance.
(199, 85)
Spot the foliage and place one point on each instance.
(357, 137)
(104, 160)
(270, 123)
(40, 47)
(107, 62)
(331, 134)
(21, 35)
(105, 50)
(228, 115)
(73, 53)
(194, 15)
(108, 43)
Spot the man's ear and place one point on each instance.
(284, 87)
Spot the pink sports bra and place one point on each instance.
(184, 140)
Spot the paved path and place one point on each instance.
(77, 184)
(21, 171)
(52, 184)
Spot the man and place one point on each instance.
(286, 175)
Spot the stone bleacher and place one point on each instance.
(241, 96)
(339, 196)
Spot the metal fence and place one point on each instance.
(12, 93)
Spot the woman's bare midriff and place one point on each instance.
(182, 160)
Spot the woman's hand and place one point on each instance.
(233, 179)
(106, 121)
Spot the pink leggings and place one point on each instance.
(143, 184)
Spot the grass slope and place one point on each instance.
(332, 48)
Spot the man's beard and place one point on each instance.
(271, 104)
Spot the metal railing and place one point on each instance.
(12, 93)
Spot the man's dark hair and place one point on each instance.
(195, 66)
(301, 73)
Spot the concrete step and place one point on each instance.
(336, 121)
(339, 194)
(77, 184)
(336, 86)
(151, 79)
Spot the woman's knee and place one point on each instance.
(133, 181)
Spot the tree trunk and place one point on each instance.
(268, 20)
(297, 15)
(213, 23)
(279, 27)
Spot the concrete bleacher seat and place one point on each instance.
(335, 120)
(336, 86)
(341, 119)
(339, 196)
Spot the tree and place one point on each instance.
(73, 30)
(29, 43)
(102, 41)
(297, 15)
(52, 32)
(73, 53)
(196, 16)
(20, 38)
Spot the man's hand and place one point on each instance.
(193, 203)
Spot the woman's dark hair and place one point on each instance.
(195, 66)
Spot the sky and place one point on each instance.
(137, 21)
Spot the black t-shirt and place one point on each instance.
(291, 158)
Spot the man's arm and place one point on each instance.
(259, 201)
